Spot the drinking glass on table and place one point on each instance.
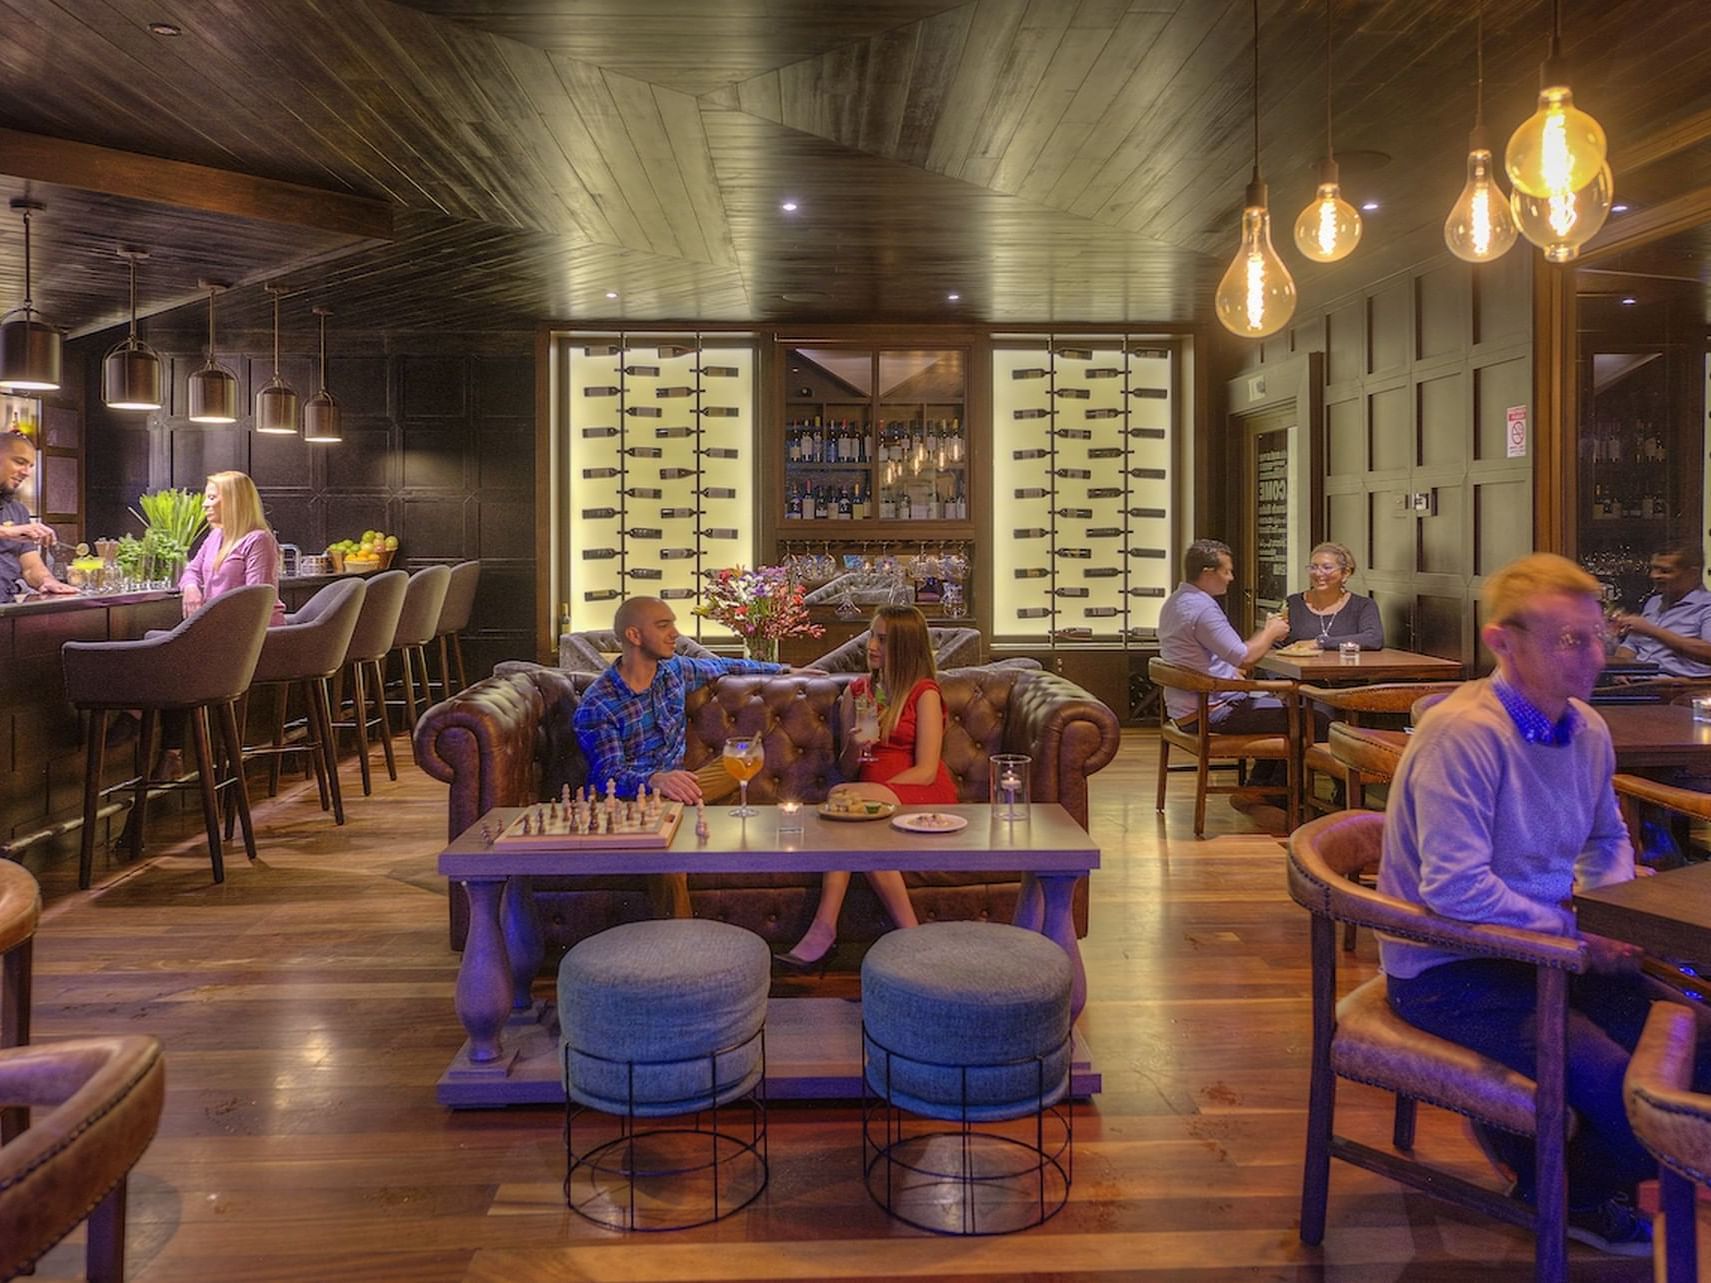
(867, 724)
(743, 758)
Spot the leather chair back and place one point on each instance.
(460, 598)
(207, 659)
(1672, 1120)
(952, 648)
(423, 599)
(587, 652)
(377, 623)
(313, 642)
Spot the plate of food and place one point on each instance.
(930, 822)
(1301, 649)
(855, 808)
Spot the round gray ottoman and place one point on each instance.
(966, 1001)
(648, 1008)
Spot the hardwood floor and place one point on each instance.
(306, 1008)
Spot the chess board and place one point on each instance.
(556, 834)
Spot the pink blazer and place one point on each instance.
(254, 559)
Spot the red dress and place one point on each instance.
(897, 754)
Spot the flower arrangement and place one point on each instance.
(760, 606)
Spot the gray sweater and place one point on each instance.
(1357, 621)
(1484, 827)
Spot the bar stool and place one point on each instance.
(202, 666)
(305, 651)
(454, 618)
(423, 601)
(375, 625)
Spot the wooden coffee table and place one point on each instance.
(813, 1044)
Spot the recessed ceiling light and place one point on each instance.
(1629, 301)
(789, 207)
(611, 293)
(953, 297)
(165, 29)
(1618, 209)
(1369, 206)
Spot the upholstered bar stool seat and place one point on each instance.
(661, 1019)
(97, 1104)
(376, 624)
(424, 598)
(305, 652)
(203, 666)
(454, 618)
(966, 1022)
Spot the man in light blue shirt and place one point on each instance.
(1194, 632)
(1673, 628)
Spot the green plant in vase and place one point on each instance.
(172, 522)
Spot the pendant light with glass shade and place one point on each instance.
(131, 370)
(1479, 227)
(321, 413)
(1559, 148)
(276, 404)
(1329, 228)
(213, 388)
(1256, 297)
(1561, 224)
(30, 352)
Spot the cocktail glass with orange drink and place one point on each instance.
(743, 758)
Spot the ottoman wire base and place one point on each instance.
(1001, 1183)
(600, 1183)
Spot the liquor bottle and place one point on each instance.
(588, 434)
(793, 451)
(859, 503)
(563, 617)
(643, 371)
(846, 508)
(793, 505)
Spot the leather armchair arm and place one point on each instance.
(1067, 732)
(483, 743)
(1671, 1120)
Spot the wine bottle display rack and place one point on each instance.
(1082, 435)
(661, 470)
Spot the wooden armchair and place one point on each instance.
(1674, 1123)
(1635, 791)
(1362, 1039)
(1207, 744)
(1354, 703)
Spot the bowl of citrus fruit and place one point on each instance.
(374, 551)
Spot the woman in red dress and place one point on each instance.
(904, 765)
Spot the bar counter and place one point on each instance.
(41, 736)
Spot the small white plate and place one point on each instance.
(929, 822)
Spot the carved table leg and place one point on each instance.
(1030, 913)
(484, 988)
(525, 946)
(1058, 891)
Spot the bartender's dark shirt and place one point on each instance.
(12, 513)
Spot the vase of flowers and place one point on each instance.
(762, 606)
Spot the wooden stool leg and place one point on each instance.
(385, 721)
(360, 708)
(446, 691)
(1163, 768)
(1201, 771)
(94, 759)
(315, 694)
(407, 658)
(104, 1259)
(315, 736)
(457, 653)
(275, 760)
(205, 777)
(140, 800)
(235, 750)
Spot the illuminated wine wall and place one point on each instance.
(661, 469)
(1082, 438)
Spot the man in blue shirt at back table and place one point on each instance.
(1673, 628)
(1194, 632)
(631, 721)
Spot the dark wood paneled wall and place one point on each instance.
(1420, 370)
(439, 449)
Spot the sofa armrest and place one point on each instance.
(1067, 732)
(485, 742)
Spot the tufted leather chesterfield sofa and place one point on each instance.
(509, 741)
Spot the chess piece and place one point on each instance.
(525, 829)
(701, 829)
(564, 796)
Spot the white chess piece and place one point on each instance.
(701, 829)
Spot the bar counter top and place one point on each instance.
(49, 605)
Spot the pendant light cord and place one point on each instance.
(1479, 63)
(133, 262)
(275, 333)
(27, 299)
(323, 351)
(211, 294)
(1329, 150)
(1256, 91)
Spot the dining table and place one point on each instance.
(1329, 668)
(1667, 914)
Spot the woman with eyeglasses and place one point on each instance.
(1327, 613)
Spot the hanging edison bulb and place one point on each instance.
(1559, 148)
(1329, 228)
(1561, 224)
(1257, 295)
(1480, 226)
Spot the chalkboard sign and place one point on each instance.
(1271, 521)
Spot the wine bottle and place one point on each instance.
(1032, 572)
(644, 411)
(645, 572)
(643, 371)
(645, 532)
(1073, 474)
(1146, 592)
(1073, 394)
(1104, 414)
(598, 434)
(601, 391)
(599, 554)
(1031, 372)
(599, 474)
(598, 514)
(717, 371)
(1105, 492)
(1155, 554)
(1031, 492)
(599, 594)
(1074, 514)
(676, 594)
(676, 554)
(1103, 372)
(1029, 532)
(1156, 514)
(1073, 634)
(1106, 532)
(718, 411)
(673, 393)
(673, 433)
(601, 349)
(1148, 474)
(1072, 434)
(1151, 394)
(1106, 452)
(677, 474)
(719, 532)
(717, 492)
(643, 452)
(1020, 455)
(668, 514)
(668, 351)
(1102, 572)
(1079, 554)
(1075, 353)
(1147, 434)
(1100, 612)
(1072, 590)
(1030, 414)
(720, 452)
(643, 492)
(1035, 612)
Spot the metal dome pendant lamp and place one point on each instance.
(1256, 297)
(131, 371)
(30, 344)
(213, 388)
(1329, 228)
(276, 404)
(321, 413)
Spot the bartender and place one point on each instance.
(20, 558)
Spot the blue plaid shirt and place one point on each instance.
(1534, 726)
(628, 736)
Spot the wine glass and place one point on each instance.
(743, 758)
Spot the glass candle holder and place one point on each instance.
(789, 819)
(1348, 652)
(1702, 708)
(1008, 777)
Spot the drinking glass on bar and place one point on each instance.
(743, 758)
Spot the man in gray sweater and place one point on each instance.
(1501, 805)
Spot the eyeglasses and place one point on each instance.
(1570, 639)
(1324, 567)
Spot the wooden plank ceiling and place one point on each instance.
(1048, 160)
